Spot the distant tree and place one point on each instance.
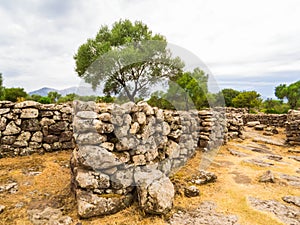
(291, 93)
(275, 106)
(1, 87)
(54, 96)
(247, 99)
(130, 59)
(157, 100)
(228, 95)
(12, 94)
(34, 97)
(67, 98)
(188, 90)
(45, 100)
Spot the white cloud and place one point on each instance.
(236, 39)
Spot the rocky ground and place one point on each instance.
(258, 182)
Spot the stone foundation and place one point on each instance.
(129, 150)
(29, 127)
(293, 127)
(276, 120)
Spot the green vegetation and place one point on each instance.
(186, 91)
(14, 94)
(291, 93)
(130, 59)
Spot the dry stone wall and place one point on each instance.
(276, 120)
(293, 127)
(29, 127)
(132, 148)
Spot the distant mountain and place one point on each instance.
(83, 91)
(43, 91)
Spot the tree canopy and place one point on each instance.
(126, 59)
(290, 92)
(13, 94)
(247, 99)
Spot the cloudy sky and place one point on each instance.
(245, 44)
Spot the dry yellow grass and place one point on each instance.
(236, 181)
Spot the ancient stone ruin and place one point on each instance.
(125, 153)
(293, 127)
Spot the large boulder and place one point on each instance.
(90, 204)
(155, 191)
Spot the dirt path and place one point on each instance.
(237, 197)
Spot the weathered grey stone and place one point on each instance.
(11, 129)
(8, 140)
(155, 191)
(96, 157)
(37, 136)
(258, 162)
(56, 146)
(103, 128)
(108, 145)
(24, 136)
(19, 144)
(26, 104)
(191, 191)
(139, 117)
(123, 178)
(88, 180)
(139, 160)
(205, 214)
(3, 121)
(172, 149)
(58, 127)
(48, 216)
(29, 113)
(203, 177)
(253, 123)
(4, 111)
(260, 127)
(90, 205)
(47, 121)
(287, 214)
(30, 125)
(237, 153)
(268, 176)
(47, 147)
(292, 199)
(66, 136)
(105, 117)
(87, 114)
(134, 128)
(50, 139)
(90, 139)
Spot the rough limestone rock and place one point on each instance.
(253, 123)
(96, 157)
(155, 191)
(12, 129)
(191, 191)
(90, 204)
(205, 214)
(48, 216)
(292, 199)
(29, 113)
(203, 177)
(287, 214)
(267, 177)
